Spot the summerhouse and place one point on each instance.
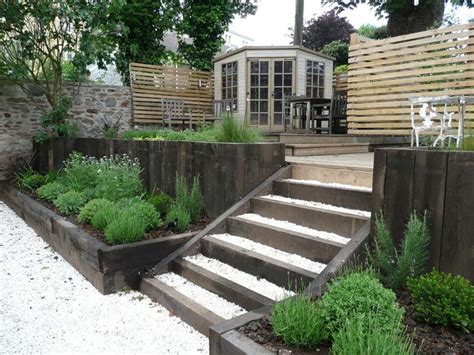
(255, 80)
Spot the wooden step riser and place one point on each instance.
(197, 316)
(225, 288)
(329, 175)
(301, 151)
(279, 273)
(360, 200)
(277, 238)
(332, 222)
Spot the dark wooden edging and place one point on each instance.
(227, 170)
(108, 268)
(224, 337)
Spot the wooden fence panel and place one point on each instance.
(152, 83)
(384, 74)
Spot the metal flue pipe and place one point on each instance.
(298, 30)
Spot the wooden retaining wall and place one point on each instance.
(441, 182)
(384, 74)
(227, 171)
(152, 83)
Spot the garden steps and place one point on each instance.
(287, 232)
(307, 149)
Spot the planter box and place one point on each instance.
(441, 182)
(108, 268)
(227, 171)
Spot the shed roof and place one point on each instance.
(249, 48)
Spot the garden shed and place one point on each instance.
(254, 80)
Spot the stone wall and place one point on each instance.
(93, 106)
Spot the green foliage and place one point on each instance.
(70, 202)
(371, 31)
(145, 211)
(91, 208)
(193, 201)
(29, 180)
(51, 191)
(203, 134)
(161, 202)
(110, 133)
(105, 215)
(440, 298)
(298, 322)
(395, 266)
(339, 50)
(344, 68)
(468, 142)
(358, 295)
(179, 217)
(128, 228)
(232, 131)
(364, 336)
(80, 172)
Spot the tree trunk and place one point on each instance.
(411, 18)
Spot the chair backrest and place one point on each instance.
(225, 106)
(173, 109)
(339, 105)
(424, 113)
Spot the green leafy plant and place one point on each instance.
(161, 202)
(91, 208)
(128, 228)
(358, 294)
(364, 336)
(298, 322)
(70, 202)
(178, 218)
(230, 130)
(147, 212)
(440, 298)
(51, 191)
(110, 133)
(29, 180)
(80, 172)
(395, 266)
(468, 142)
(193, 201)
(106, 214)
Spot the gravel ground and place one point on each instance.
(329, 184)
(46, 306)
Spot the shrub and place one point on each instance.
(394, 267)
(106, 214)
(119, 177)
(161, 202)
(298, 321)
(190, 201)
(126, 229)
(29, 180)
(356, 295)
(147, 212)
(51, 191)
(232, 131)
(178, 218)
(91, 208)
(70, 202)
(80, 172)
(364, 336)
(441, 298)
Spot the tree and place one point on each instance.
(403, 15)
(338, 50)
(371, 31)
(205, 22)
(325, 29)
(36, 35)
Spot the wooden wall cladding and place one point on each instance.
(227, 171)
(441, 182)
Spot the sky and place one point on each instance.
(269, 26)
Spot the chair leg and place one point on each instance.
(417, 137)
(412, 138)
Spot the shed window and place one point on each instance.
(229, 83)
(314, 79)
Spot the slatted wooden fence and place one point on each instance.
(384, 74)
(152, 83)
(340, 82)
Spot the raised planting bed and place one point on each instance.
(227, 171)
(108, 267)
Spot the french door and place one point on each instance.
(269, 81)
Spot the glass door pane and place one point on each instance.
(282, 86)
(259, 87)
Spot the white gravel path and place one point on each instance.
(263, 249)
(329, 184)
(208, 299)
(47, 307)
(261, 286)
(293, 227)
(319, 205)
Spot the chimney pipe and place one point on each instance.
(298, 30)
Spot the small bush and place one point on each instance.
(80, 172)
(29, 180)
(126, 229)
(355, 295)
(232, 131)
(440, 298)
(70, 202)
(51, 191)
(178, 218)
(106, 214)
(161, 202)
(147, 212)
(298, 322)
(193, 201)
(364, 336)
(395, 266)
(91, 208)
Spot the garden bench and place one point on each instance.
(173, 110)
